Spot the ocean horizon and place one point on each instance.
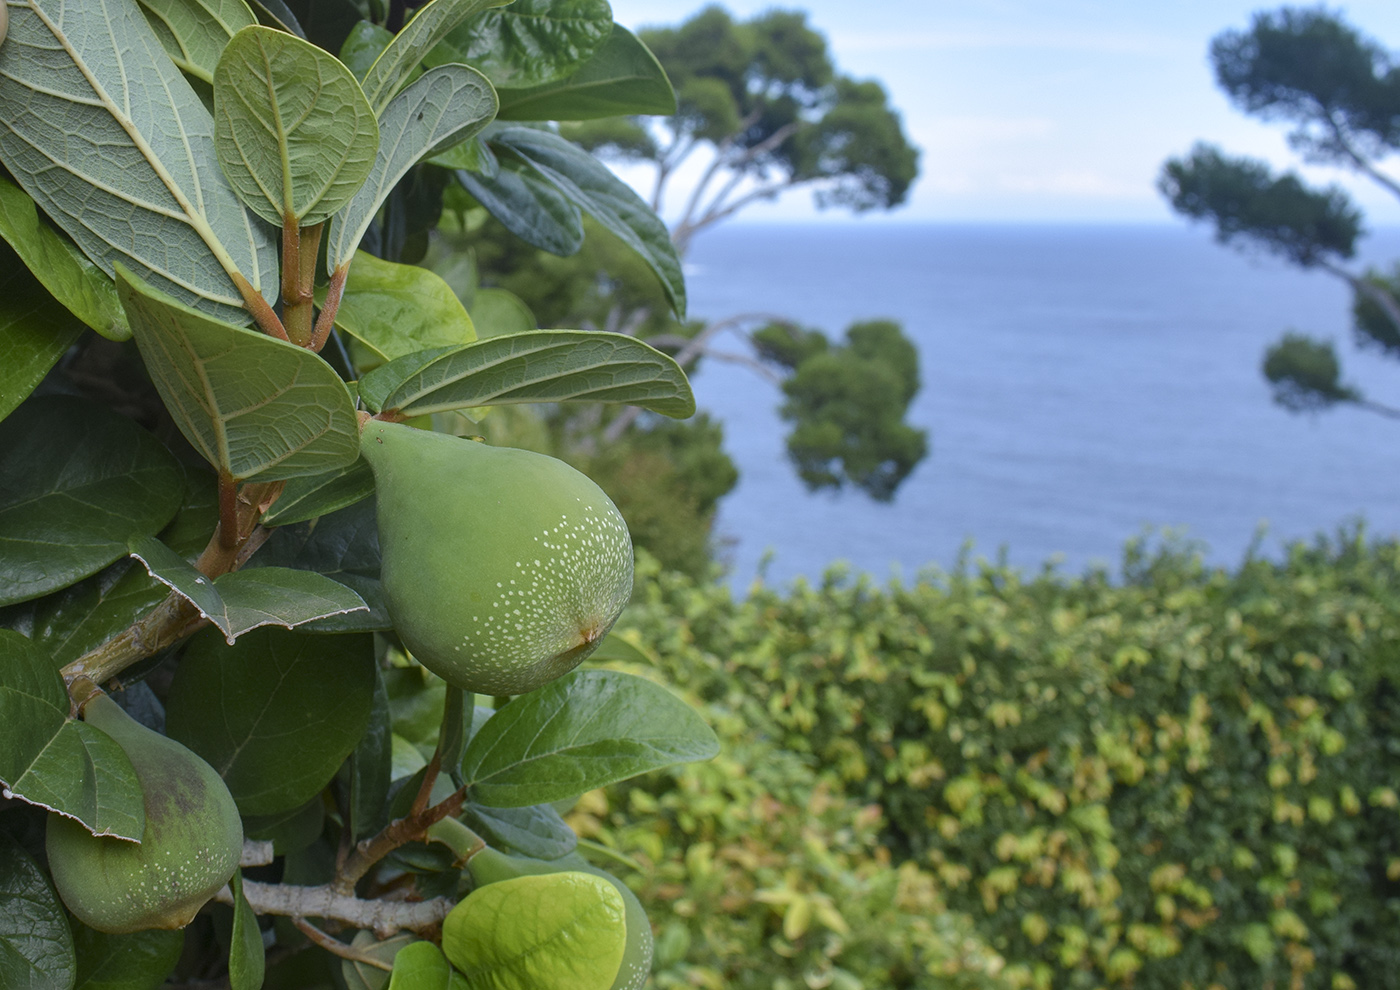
(1082, 385)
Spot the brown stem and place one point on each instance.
(296, 308)
(255, 304)
(338, 948)
(326, 321)
(397, 833)
(228, 511)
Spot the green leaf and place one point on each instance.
(536, 831)
(589, 184)
(342, 546)
(444, 106)
(275, 714)
(34, 332)
(36, 948)
(247, 962)
(244, 600)
(528, 206)
(362, 976)
(553, 930)
(57, 763)
(471, 154)
(586, 730)
(320, 494)
(138, 961)
(278, 14)
(295, 135)
(55, 261)
(77, 481)
(420, 966)
(531, 42)
(101, 129)
(365, 43)
(392, 70)
(539, 366)
(371, 766)
(498, 312)
(398, 309)
(250, 404)
(195, 32)
(622, 78)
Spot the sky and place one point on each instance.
(1046, 110)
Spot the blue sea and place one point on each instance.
(1082, 385)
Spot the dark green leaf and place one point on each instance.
(36, 948)
(392, 70)
(289, 831)
(55, 261)
(275, 714)
(370, 766)
(365, 43)
(77, 481)
(278, 14)
(530, 42)
(247, 961)
(52, 761)
(101, 129)
(317, 495)
(589, 184)
(445, 106)
(250, 404)
(344, 547)
(539, 366)
(138, 961)
(528, 206)
(622, 78)
(586, 730)
(397, 309)
(536, 831)
(195, 32)
(245, 600)
(34, 332)
(294, 133)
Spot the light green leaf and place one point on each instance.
(36, 947)
(295, 135)
(587, 729)
(276, 714)
(391, 71)
(55, 261)
(530, 42)
(553, 930)
(473, 154)
(445, 105)
(195, 32)
(245, 600)
(497, 312)
(539, 366)
(528, 206)
(320, 494)
(247, 962)
(398, 309)
(50, 760)
(77, 481)
(34, 332)
(250, 404)
(420, 966)
(589, 184)
(135, 961)
(101, 129)
(622, 78)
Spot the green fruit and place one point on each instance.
(191, 845)
(491, 866)
(503, 569)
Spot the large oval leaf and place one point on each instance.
(135, 961)
(443, 106)
(275, 714)
(531, 42)
(36, 948)
(622, 78)
(77, 482)
(295, 135)
(250, 404)
(101, 129)
(539, 366)
(397, 309)
(526, 933)
(586, 730)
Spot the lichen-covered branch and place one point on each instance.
(383, 917)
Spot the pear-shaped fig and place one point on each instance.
(190, 847)
(502, 568)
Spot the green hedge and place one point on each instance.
(1185, 779)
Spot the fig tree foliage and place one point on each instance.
(222, 754)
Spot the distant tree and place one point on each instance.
(1341, 92)
(765, 99)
